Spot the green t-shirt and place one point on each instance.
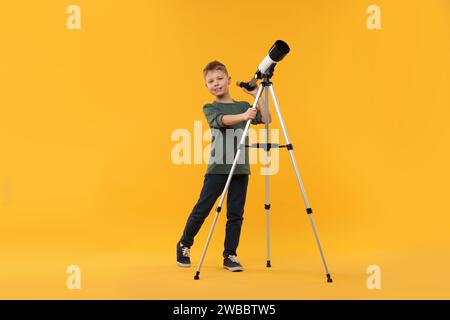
(225, 139)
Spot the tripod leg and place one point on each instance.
(267, 204)
(224, 192)
(308, 208)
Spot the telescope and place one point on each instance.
(265, 72)
(278, 51)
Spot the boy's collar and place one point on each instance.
(234, 101)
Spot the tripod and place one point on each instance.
(265, 85)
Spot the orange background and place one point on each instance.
(86, 175)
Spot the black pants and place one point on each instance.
(213, 186)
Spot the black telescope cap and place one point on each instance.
(278, 50)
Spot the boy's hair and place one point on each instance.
(214, 65)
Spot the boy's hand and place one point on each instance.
(252, 93)
(249, 114)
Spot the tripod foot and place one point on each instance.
(197, 276)
(329, 280)
(268, 265)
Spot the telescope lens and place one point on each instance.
(279, 50)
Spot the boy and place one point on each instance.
(223, 114)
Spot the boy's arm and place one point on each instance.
(216, 119)
(213, 116)
(261, 106)
(232, 119)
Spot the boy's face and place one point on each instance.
(217, 82)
